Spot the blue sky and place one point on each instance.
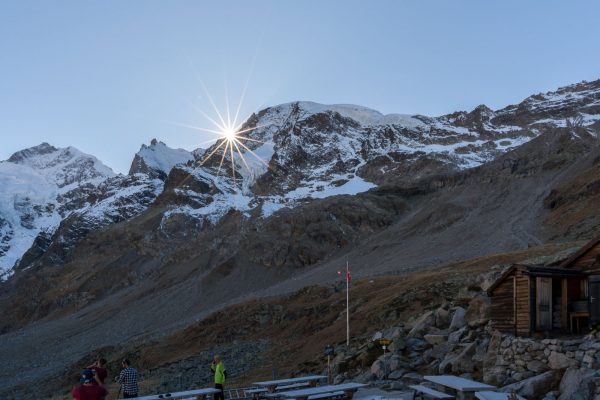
(107, 76)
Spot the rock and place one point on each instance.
(415, 344)
(478, 312)
(536, 366)
(442, 317)
(463, 362)
(397, 374)
(550, 396)
(378, 335)
(495, 376)
(458, 319)
(394, 333)
(398, 344)
(396, 362)
(534, 387)
(558, 361)
(422, 324)
(412, 377)
(378, 369)
(365, 377)
(435, 338)
(577, 384)
(398, 385)
(455, 337)
(438, 352)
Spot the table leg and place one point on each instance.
(349, 394)
(200, 396)
(312, 383)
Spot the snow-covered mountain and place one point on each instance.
(158, 159)
(51, 198)
(39, 187)
(305, 150)
(43, 186)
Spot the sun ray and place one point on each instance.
(227, 104)
(210, 99)
(251, 140)
(242, 157)
(222, 158)
(205, 115)
(232, 163)
(197, 128)
(254, 154)
(239, 107)
(213, 152)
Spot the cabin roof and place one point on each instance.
(579, 253)
(534, 270)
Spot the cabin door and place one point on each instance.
(594, 298)
(543, 304)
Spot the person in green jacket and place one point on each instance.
(218, 368)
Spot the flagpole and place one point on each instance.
(347, 306)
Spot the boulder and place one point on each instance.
(396, 362)
(442, 317)
(464, 362)
(558, 360)
(422, 324)
(478, 312)
(415, 344)
(536, 366)
(458, 319)
(455, 336)
(434, 339)
(378, 335)
(412, 378)
(577, 384)
(397, 345)
(534, 387)
(396, 374)
(378, 369)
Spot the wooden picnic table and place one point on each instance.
(199, 393)
(304, 394)
(272, 385)
(465, 388)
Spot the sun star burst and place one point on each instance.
(230, 139)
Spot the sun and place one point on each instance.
(229, 134)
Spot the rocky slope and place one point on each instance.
(466, 185)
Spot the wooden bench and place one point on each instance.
(199, 394)
(264, 392)
(305, 380)
(487, 395)
(256, 393)
(429, 392)
(329, 395)
(348, 390)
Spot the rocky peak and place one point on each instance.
(157, 159)
(22, 155)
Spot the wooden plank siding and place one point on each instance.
(502, 312)
(522, 303)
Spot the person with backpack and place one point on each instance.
(99, 367)
(90, 388)
(128, 378)
(218, 368)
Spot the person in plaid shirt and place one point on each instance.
(128, 378)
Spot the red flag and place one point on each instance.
(348, 276)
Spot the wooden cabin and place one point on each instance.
(537, 298)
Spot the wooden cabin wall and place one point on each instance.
(503, 313)
(590, 261)
(522, 304)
